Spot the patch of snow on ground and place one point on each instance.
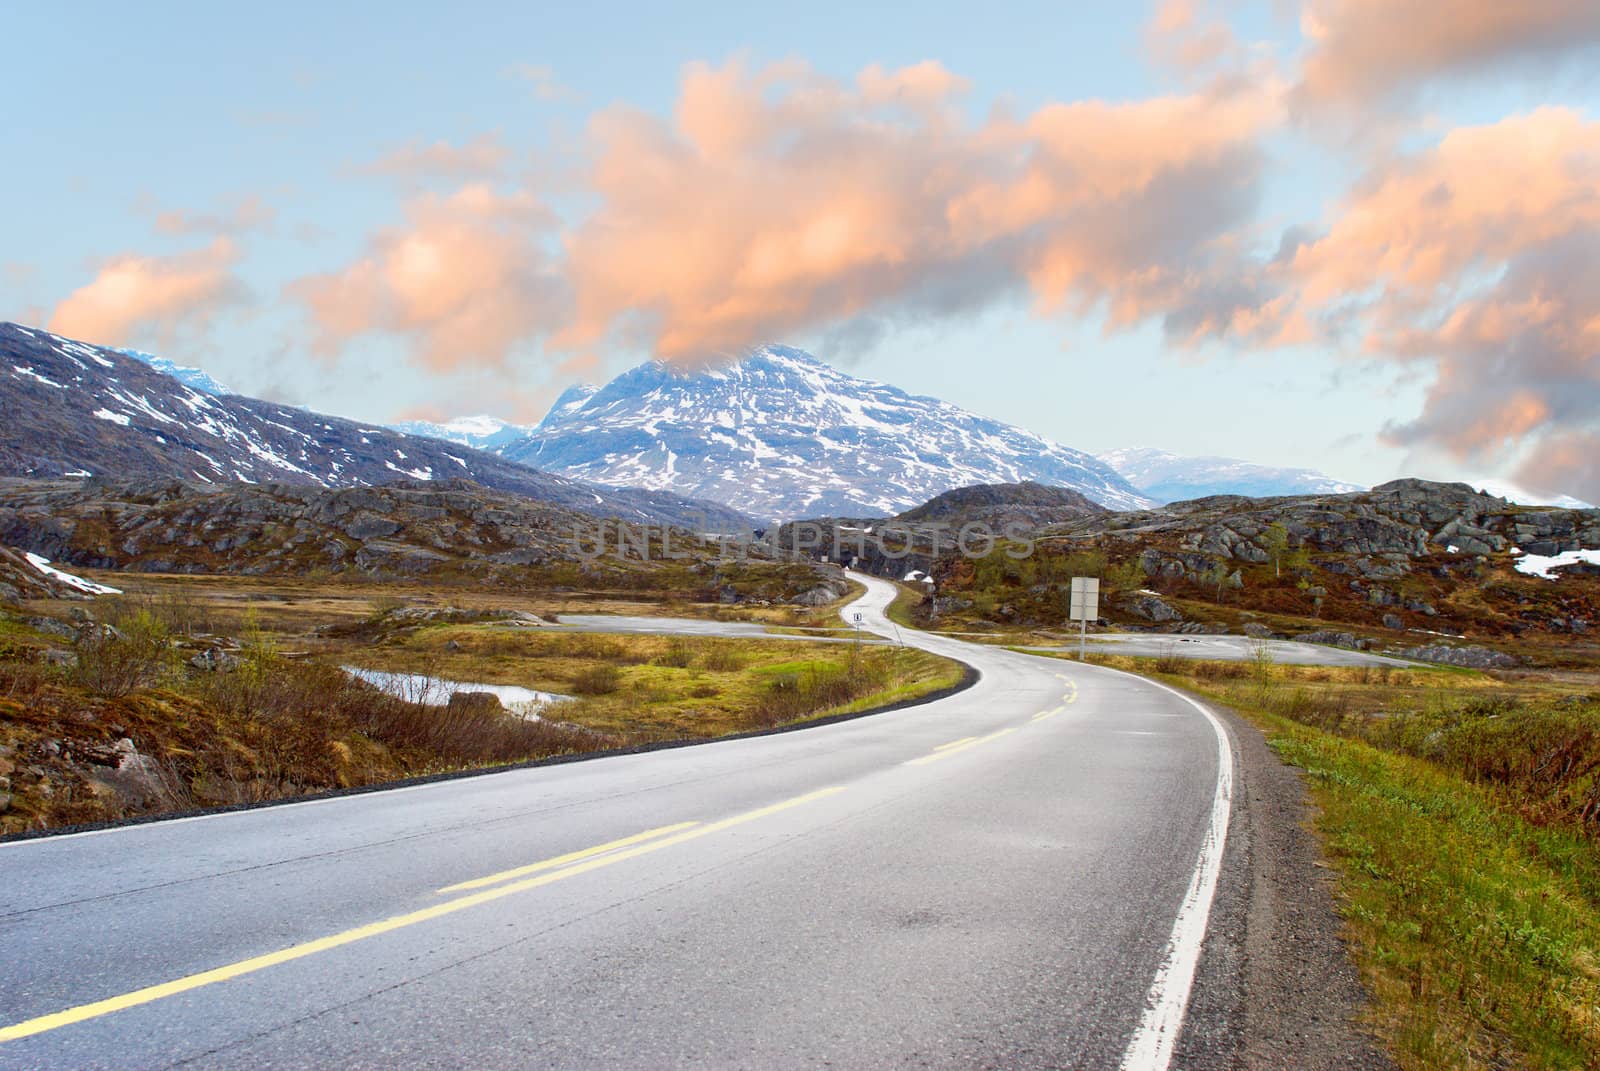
(43, 565)
(1539, 565)
(24, 370)
(115, 418)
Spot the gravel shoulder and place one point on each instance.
(1276, 987)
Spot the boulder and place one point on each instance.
(1150, 608)
(1468, 657)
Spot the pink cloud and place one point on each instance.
(1360, 51)
(1476, 257)
(778, 201)
(463, 280)
(244, 214)
(134, 296)
(482, 157)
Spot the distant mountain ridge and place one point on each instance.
(1167, 477)
(77, 410)
(782, 435)
(481, 432)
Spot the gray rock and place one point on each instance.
(1393, 621)
(213, 659)
(1150, 608)
(1468, 657)
(1332, 638)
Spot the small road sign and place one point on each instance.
(1083, 605)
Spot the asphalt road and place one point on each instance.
(1017, 876)
(1228, 649)
(1142, 644)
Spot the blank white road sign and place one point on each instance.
(1085, 603)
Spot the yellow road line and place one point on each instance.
(958, 747)
(1043, 714)
(956, 743)
(1072, 692)
(563, 860)
(148, 994)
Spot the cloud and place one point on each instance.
(1360, 52)
(246, 213)
(464, 281)
(545, 85)
(134, 296)
(776, 201)
(483, 157)
(1475, 258)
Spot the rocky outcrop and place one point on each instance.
(1150, 608)
(1469, 657)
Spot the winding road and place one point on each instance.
(1017, 876)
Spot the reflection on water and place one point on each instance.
(436, 691)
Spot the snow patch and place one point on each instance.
(89, 586)
(1541, 566)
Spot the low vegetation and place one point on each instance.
(1462, 812)
(193, 695)
(647, 688)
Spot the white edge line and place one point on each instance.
(1152, 1045)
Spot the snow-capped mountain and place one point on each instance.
(1168, 477)
(479, 432)
(76, 410)
(783, 435)
(198, 378)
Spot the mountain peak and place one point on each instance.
(783, 434)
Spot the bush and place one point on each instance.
(723, 658)
(597, 680)
(678, 655)
(132, 650)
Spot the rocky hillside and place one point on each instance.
(999, 504)
(442, 529)
(782, 435)
(1405, 557)
(76, 410)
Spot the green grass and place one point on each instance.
(1476, 931)
(1456, 809)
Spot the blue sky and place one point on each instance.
(195, 181)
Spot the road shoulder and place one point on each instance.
(1276, 986)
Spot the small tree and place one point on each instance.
(1218, 575)
(1276, 540)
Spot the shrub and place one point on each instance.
(677, 655)
(597, 680)
(131, 651)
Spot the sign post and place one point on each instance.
(1083, 604)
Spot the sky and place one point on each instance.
(1360, 236)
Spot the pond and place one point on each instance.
(525, 703)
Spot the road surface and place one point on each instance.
(1142, 644)
(1017, 876)
(1227, 649)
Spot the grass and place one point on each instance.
(1460, 812)
(280, 719)
(667, 687)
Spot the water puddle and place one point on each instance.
(525, 703)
